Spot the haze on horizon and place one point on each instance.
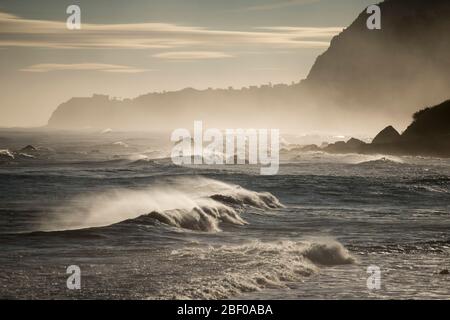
(128, 49)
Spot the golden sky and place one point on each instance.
(125, 49)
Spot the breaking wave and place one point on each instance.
(6, 154)
(260, 265)
(198, 204)
(204, 218)
(385, 160)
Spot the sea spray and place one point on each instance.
(191, 203)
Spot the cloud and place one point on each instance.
(192, 55)
(279, 4)
(20, 32)
(305, 32)
(48, 67)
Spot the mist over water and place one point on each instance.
(146, 228)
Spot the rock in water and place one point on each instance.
(28, 148)
(351, 146)
(355, 143)
(387, 135)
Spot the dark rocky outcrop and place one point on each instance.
(351, 146)
(428, 135)
(28, 148)
(386, 136)
(430, 122)
(355, 143)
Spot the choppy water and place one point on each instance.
(140, 227)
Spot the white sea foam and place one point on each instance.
(120, 144)
(6, 153)
(254, 266)
(26, 155)
(108, 130)
(381, 159)
(138, 157)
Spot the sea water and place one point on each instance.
(140, 227)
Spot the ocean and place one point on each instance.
(140, 227)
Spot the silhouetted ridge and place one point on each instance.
(402, 66)
(366, 78)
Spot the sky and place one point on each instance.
(128, 48)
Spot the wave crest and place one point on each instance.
(205, 218)
(385, 160)
(328, 254)
(175, 203)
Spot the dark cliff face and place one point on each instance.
(431, 123)
(428, 135)
(399, 68)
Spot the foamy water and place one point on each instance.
(152, 230)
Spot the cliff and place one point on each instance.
(365, 79)
(428, 135)
(394, 70)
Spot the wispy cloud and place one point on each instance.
(48, 67)
(192, 55)
(271, 5)
(305, 32)
(20, 32)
